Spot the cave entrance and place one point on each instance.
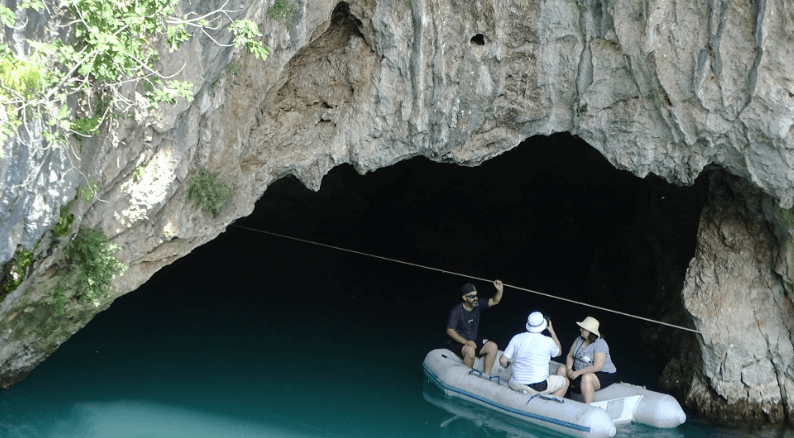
(262, 329)
(551, 215)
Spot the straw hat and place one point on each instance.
(591, 325)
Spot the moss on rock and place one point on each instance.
(64, 224)
(43, 325)
(16, 270)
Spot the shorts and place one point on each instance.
(553, 384)
(457, 348)
(605, 379)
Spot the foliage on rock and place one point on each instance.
(137, 174)
(59, 299)
(16, 271)
(91, 266)
(244, 33)
(209, 192)
(88, 191)
(64, 224)
(280, 11)
(109, 46)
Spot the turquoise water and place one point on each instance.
(284, 342)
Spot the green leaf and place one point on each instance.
(86, 125)
(86, 68)
(260, 52)
(36, 5)
(7, 16)
(176, 35)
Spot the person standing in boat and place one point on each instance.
(531, 352)
(589, 365)
(463, 323)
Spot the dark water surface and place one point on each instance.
(253, 336)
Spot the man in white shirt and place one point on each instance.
(531, 352)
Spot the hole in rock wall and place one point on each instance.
(552, 215)
(478, 40)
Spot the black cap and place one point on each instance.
(467, 288)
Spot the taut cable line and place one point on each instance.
(467, 276)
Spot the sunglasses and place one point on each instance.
(472, 296)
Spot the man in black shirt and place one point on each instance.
(462, 325)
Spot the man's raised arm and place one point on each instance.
(499, 290)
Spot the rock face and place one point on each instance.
(735, 292)
(657, 86)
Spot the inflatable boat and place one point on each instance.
(464, 414)
(617, 404)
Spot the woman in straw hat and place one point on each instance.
(588, 365)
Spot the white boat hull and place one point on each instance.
(642, 405)
(617, 404)
(564, 416)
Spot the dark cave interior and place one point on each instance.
(551, 215)
(253, 326)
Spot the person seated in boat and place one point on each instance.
(589, 365)
(463, 323)
(530, 353)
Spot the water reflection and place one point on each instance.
(144, 419)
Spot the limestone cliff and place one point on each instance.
(734, 291)
(657, 86)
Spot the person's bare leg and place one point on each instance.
(561, 392)
(590, 385)
(489, 350)
(468, 356)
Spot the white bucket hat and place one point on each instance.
(536, 323)
(591, 325)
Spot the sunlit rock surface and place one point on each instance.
(657, 86)
(742, 309)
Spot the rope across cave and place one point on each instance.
(469, 276)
